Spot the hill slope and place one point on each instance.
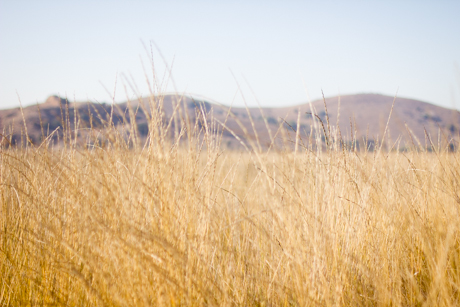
(361, 115)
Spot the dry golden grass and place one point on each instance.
(117, 223)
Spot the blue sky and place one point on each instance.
(274, 49)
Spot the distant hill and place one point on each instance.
(366, 116)
(363, 116)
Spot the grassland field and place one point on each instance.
(179, 220)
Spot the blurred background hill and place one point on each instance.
(360, 116)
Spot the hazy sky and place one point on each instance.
(275, 48)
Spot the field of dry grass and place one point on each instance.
(110, 221)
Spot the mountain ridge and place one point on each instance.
(359, 116)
